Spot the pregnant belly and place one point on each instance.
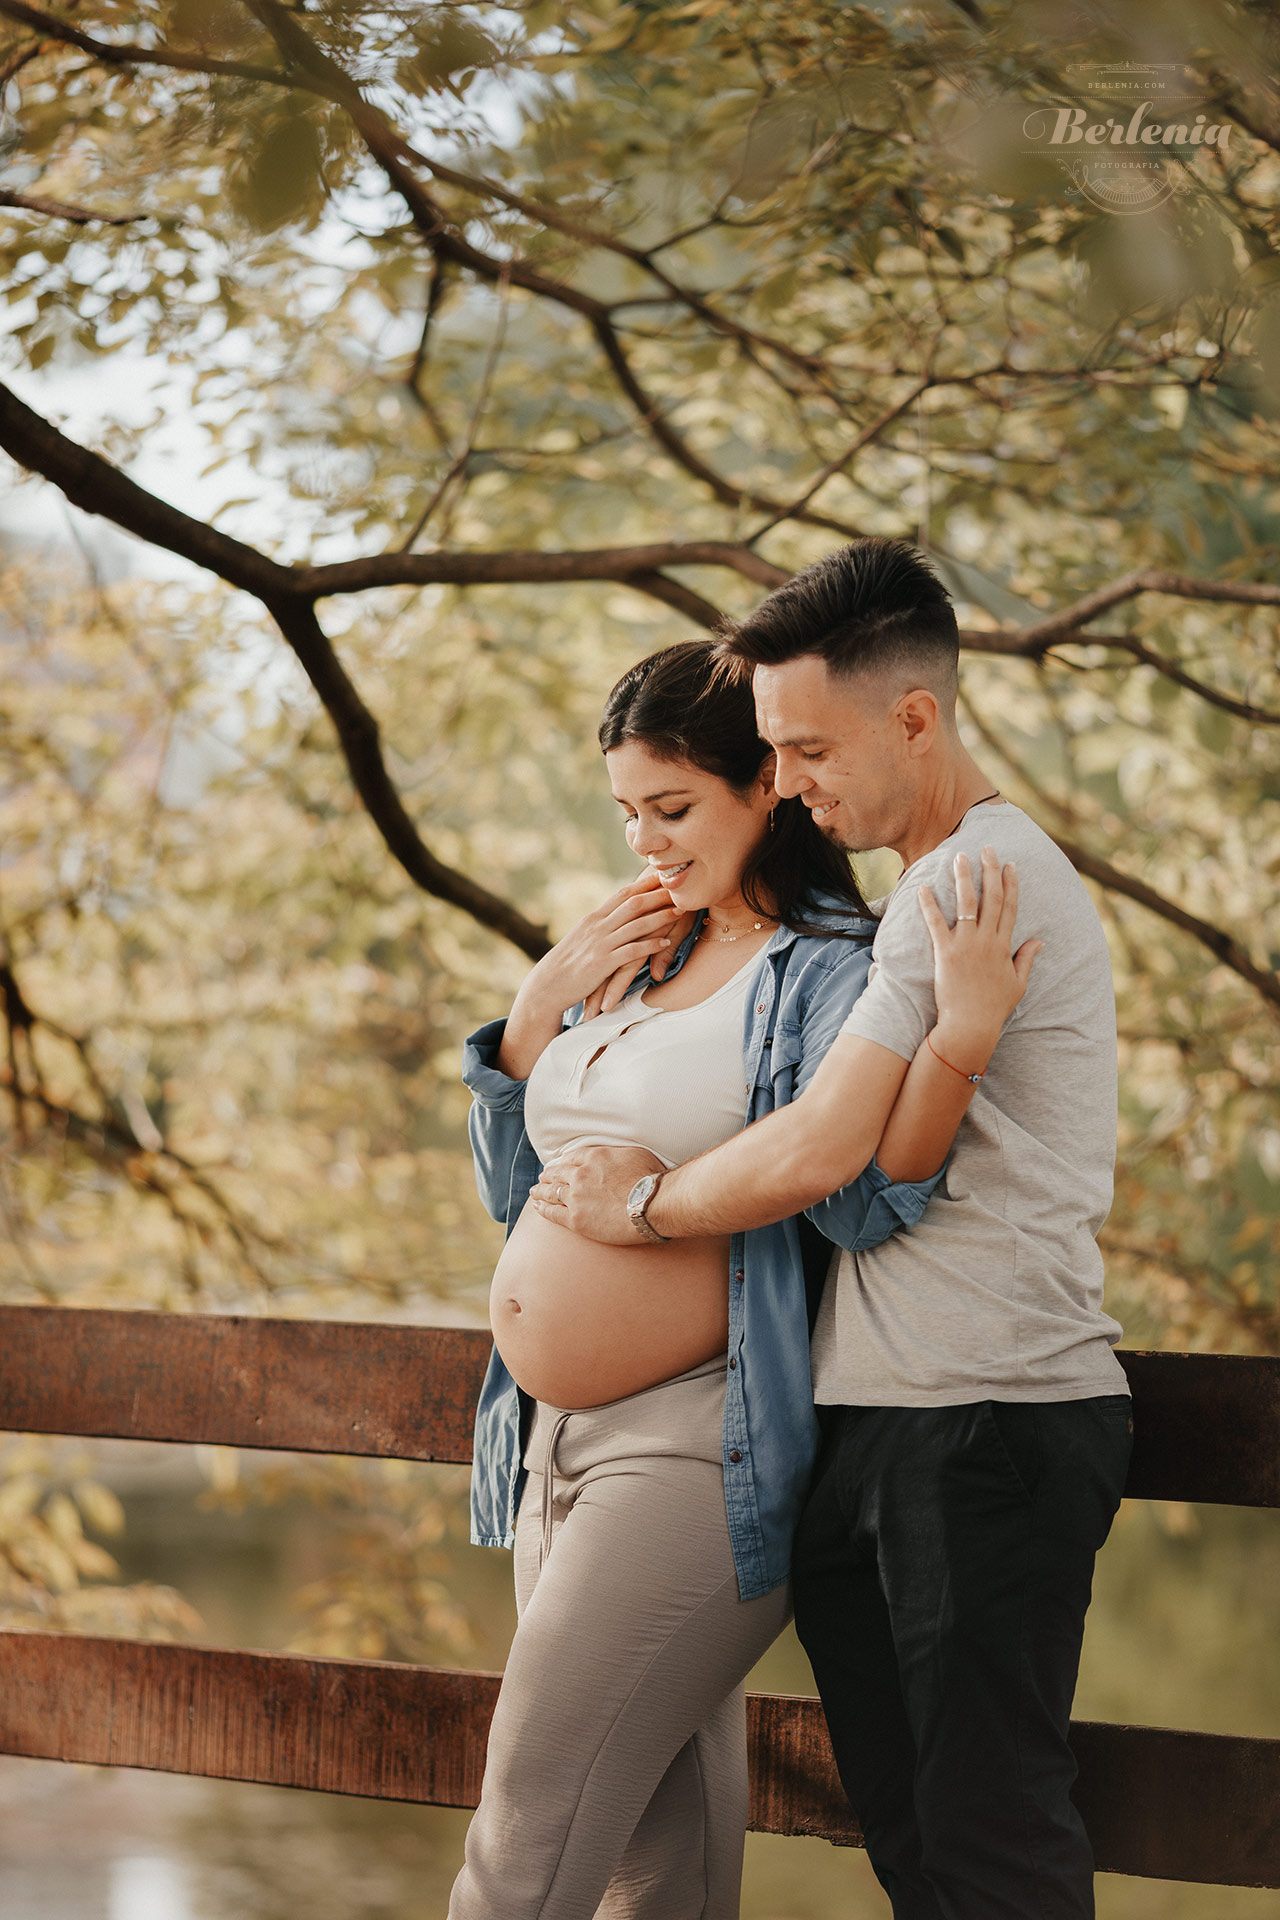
(578, 1324)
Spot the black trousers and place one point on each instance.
(942, 1571)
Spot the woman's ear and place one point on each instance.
(768, 768)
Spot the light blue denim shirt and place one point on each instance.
(801, 992)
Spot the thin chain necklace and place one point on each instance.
(993, 795)
(728, 939)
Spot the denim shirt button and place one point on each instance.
(762, 1006)
(732, 1363)
(739, 1275)
(734, 1455)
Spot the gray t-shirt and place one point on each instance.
(997, 1292)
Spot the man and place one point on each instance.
(976, 1427)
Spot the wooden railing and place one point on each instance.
(1158, 1802)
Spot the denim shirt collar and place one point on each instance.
(825, 914)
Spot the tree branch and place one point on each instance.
(796, 508)
(126, 54)
(433, 221)
(552, 218)
(1231, 102)
(1242, 709)
(289, 593)
(98, 487)
(113, 1135)
(413, 380)
(441, 232)
(328, 79)
(458, 464)
(630, 565)
(1012, 643)
(18, 59)
(93, 484)
(1035, 641)
(59, 210)
(1220, 944)
(357, 732)
(683, 599)
(682, 453)
(1151, 580)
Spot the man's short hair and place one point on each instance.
(875, 606)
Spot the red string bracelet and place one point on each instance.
(972, 1078)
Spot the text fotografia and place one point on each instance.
(1071, 126)
(1129, 139)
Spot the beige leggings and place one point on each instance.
(616, 1782)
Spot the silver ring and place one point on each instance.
(966, 916)
(560, 1193)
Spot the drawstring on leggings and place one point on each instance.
(548, 1484)
(706, 1370)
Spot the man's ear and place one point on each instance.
(920, 717)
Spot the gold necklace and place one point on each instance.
(729, 939)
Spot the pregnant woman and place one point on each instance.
(646, 1429)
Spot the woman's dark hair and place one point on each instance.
(690, 703)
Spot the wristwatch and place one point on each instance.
(637, 1201)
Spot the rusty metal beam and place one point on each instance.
(1207, 1424)
(309, 1386)
(1175, 1806)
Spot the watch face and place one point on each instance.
(641, 1192)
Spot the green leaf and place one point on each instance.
(447, 45)
(279, 182)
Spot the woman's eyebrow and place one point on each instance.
(669, 793)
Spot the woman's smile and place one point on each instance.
(668, 875)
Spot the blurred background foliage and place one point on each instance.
(457, 282)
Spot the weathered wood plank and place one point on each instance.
(1169, 1805)
(795, 1788)
(1182, 1806)
(310, 1386)
(375, 1728)
(1158, 1803)
(1207, 1424)
(1206, 1427)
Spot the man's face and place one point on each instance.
(840, 747)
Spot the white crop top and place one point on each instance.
(667, 1078)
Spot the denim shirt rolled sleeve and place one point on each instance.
(873, 1206)
(504, 1160)
(800, 995)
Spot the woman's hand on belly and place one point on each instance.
(579, 1324)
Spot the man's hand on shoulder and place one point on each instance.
(587, 1192)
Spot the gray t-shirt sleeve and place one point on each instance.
(898, 1007)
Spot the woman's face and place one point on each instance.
(692, 828)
